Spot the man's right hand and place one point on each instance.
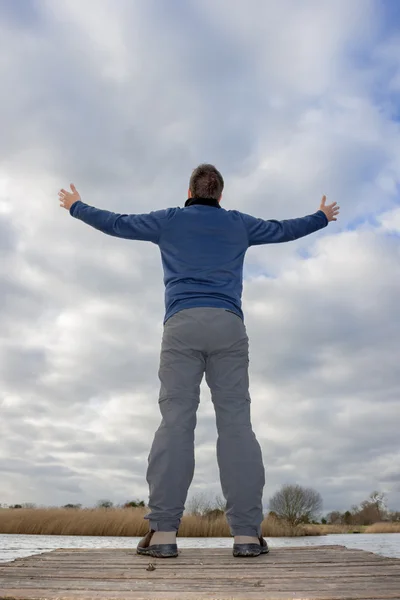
(331, 210)
(67, 199)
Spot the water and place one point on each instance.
(14, 546)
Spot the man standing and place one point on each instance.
(202, 248)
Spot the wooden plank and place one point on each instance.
(300, 553)
(240, 588)
(204, 551)
(188, 595)
(163, 571)
(184, 559)
(204, 564)
(227, 556)
(187, 555)
(304, 582)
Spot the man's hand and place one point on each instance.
(67, 199)
(331, 210)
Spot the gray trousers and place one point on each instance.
(211, 341)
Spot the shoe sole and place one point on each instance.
(248, 553)
(156, 552)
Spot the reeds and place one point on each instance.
(122, 522)
(336, 528)
(129, 522)
(383, 528)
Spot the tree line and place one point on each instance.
(293, 503)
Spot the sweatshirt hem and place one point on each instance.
(224, 306)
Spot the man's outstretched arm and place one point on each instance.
(146, 227)
(270, 231)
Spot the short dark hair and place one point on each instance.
(206, 182)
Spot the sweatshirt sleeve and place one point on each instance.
(273, 232)
(146, 227)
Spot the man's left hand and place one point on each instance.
(67, 199)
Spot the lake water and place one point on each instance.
(14, 546)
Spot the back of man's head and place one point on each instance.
(206, 182)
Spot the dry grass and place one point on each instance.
(130, 523)
(336, 528)
(65, 521)
(122, 522)
(383, 528)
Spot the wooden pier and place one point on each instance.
(328, 572)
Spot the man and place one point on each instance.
(202, 248)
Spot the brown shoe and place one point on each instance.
(156, 550)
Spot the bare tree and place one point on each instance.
(334, 517)
(220, 503)
(296, 504)
(371, 510)
(201, 504)
(198, 504)
(378, 500)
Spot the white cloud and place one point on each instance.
(124, 100)
(390, 221)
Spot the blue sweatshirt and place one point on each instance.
(202, 246)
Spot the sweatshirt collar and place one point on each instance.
(204, 201)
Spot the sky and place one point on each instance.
(124, 99)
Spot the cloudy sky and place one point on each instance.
(290, 100)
